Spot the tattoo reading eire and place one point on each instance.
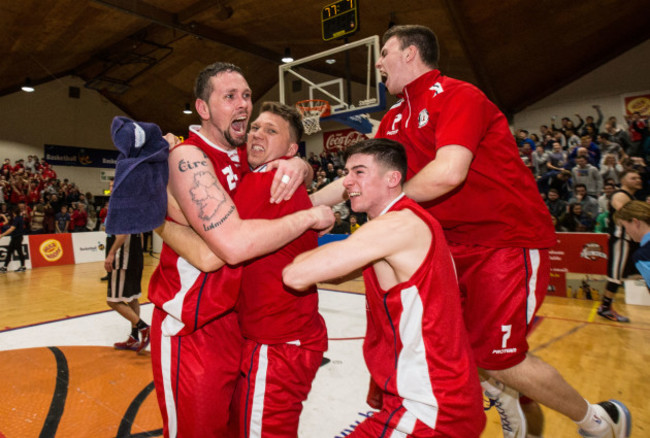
(184, 166)
(220, 221)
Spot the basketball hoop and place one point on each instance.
(312, 110)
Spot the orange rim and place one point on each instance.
(313, 107)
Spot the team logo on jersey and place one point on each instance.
(592, 251)
(423, 118)
(394, 129)
(436, 88)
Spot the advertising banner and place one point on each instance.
(337, 141)
(80, 157)
(89, 247)
(51, 249)
(639, 102)
(579, 265)
(15, 261)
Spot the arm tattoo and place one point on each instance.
(207, 194)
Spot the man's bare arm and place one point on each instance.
(446, 172)
(397, 237)
(117, 244)
(189, 245)
(332, 194)
(210, 211)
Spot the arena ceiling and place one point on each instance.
(144, 55)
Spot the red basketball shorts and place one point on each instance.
(501, 290)
(275, 380)
(195, 376)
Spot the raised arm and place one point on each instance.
(210, 211)
(446, 172)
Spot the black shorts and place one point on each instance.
(124, 285)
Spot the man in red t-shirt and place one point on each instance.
(465, 169)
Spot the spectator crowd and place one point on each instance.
(47, 204)
(579, 165)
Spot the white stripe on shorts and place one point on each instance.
(257, 410)
(533, 254)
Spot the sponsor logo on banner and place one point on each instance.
(51, 250)
(593, 251)
(577, 257)
(638, 102)
(89, 247)
(337, 141)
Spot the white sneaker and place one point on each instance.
(506, 402)
(616, 415)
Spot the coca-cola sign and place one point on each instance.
(335, 141)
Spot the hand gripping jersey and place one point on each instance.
(191, 297)
(416, 346)
(269, 312)
(498, 205)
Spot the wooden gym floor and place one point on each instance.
(108, 393)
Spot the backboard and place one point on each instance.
(345, 76)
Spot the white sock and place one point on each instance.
(593, 423)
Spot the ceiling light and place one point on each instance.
(287, 56)
(330, 61)
(187, 109)
(27, 87)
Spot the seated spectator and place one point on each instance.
(602, 223)
(62, 220)
(589, 204)
(78, 218)
(603, 200)
(354, 224)
(573, 141)
(525, 153)
(556, 206)
(522, 138)
(610, 168)
(560, 182)
(38, 217)
(540, 158)
(340, 226)
(618, 135)
(330, 171)
(609, 147)
(575, 220)
(586, 174)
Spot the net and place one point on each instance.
(312, 110)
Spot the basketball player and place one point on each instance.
(463, 167)
(416, 346)
(195, 341)
(285, 336)
(124, 264)
(619, 243)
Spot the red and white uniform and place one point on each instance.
(417, 351)
(498, 207)
(195, 338)
(285, 336)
